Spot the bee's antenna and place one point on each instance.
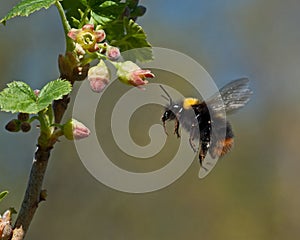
(168, 95)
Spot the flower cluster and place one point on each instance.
(89, 46)
(22, 123)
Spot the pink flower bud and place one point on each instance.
(5, 225)
(74, 129)
(113, 53)
(37, 92)
(98, 77)
(6, 216)
(130, 73)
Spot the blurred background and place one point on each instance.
(253, 192)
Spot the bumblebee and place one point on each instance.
(198, 117)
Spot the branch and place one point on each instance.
(71, 70)
(32, 196)
(59, 107)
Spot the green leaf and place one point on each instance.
(74, 10)
(53, 91)
(128, 35)
(123, 32)
(94, 4)
(19, 97)
(26, 7)
(3, 194)
(107, 12)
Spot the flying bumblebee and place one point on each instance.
(198, 117)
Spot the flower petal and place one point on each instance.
(88, 27)
(73, 33)
(99, 35)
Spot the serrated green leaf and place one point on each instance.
(128, 35)
(3, 194)
(101, 20)
(73, 9)
(53, 91)
(27, 7)
(107, 12)
(18, 97)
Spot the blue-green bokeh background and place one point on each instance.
(252, 194)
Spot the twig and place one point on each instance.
(33, 191)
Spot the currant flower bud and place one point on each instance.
(98, 77)
(113, 53)
(13, 125)
(23, 117)
(36, 92)
(130, 73)
(5, 225)
(87, 37)
(25, 127)
(74, 129)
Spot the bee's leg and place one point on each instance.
(191, 138)
(165, 129)
(176, 128)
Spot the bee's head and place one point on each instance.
(166, 116)
(170, 112)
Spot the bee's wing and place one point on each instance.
(232, 96)
(207, 165)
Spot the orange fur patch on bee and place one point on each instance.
(222, 147)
